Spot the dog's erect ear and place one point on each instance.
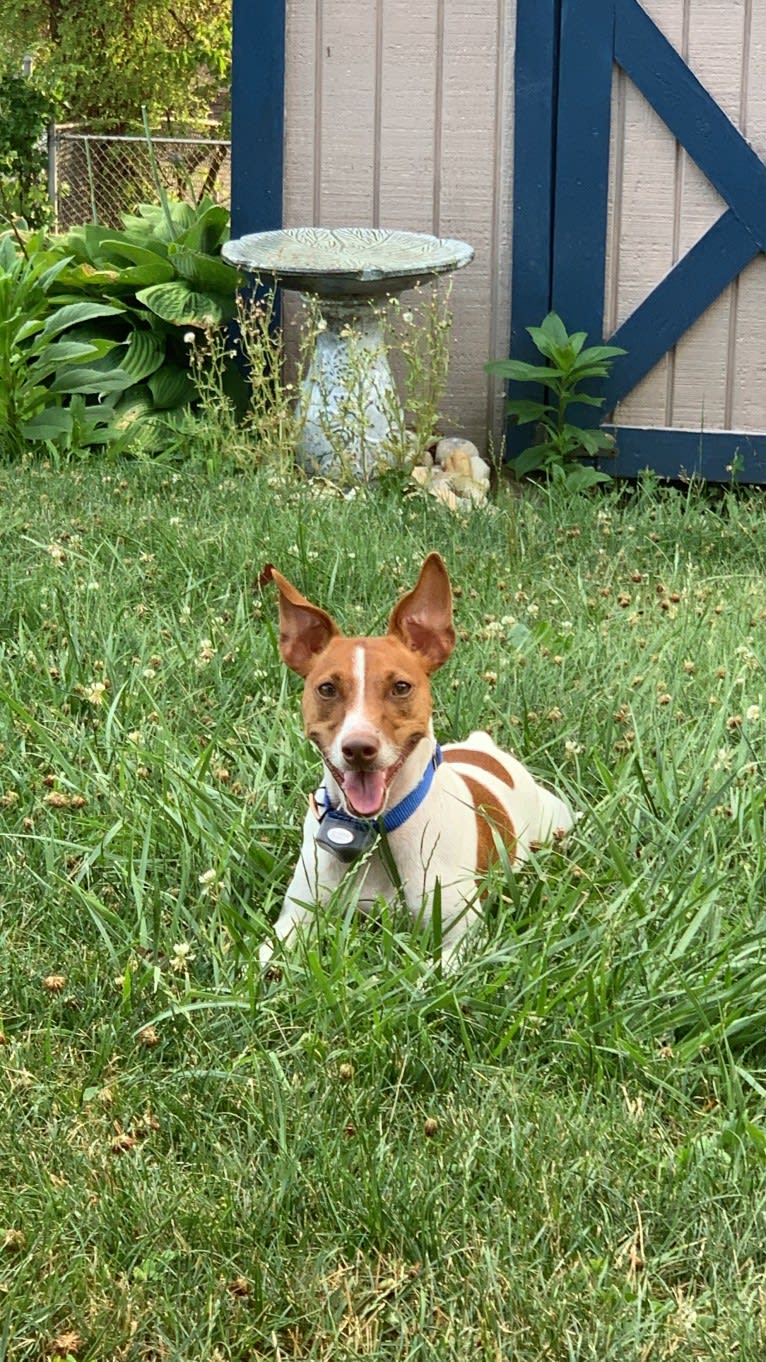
(304, 629)
(423, 618)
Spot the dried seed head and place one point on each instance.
(54, 983)
(123, 1143)
(67, 1344)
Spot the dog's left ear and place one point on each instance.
(304, 629)
(423, 618)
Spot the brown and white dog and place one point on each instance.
(367, 707)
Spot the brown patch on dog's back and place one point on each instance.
(491, 819)
(469, 756)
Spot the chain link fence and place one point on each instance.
(98, 177)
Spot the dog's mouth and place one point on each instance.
(364, 789)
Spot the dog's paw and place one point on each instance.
(269, 969)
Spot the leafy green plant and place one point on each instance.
(164, 272)
(130, 300)
(45, 359)
(108, 58)
(561, 443)
(24, 112)
(261, 426)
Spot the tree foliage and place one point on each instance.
(24, 112)
(104, 59)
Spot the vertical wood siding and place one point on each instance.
(660, 204)
(398, 113)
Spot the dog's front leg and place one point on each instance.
(296, 915)
(314, 879)
(451, 910)
(455, 928)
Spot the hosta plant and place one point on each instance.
(164, 272)
(95, 328)
(45, 358)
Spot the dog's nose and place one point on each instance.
(360, 747)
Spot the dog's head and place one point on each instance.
(367, 701)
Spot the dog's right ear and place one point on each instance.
(423, 618)
(304, 629)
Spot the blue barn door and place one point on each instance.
(566, 54)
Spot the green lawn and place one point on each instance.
(558, 1155)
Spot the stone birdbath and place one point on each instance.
(348, 410)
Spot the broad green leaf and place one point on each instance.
(143, 276)
(137, 253)
(50, 275)
(210, 230)
(143, 223)
(48, 424)
(177, 302)
(144, 352)
(171, 387)
(31, 328)
(80, 379)
(597, 442)
(134, 406)
(72, 313)
(555, 330)
(134, 277)
(580, 477)
(152, 217)
(85, 242)
(8, 255)
(59, 353)
(587, 399)
(526, 411)
(528, 462)
(92, 277)
(548, 347)
(603, 352)
(204, 271)
(520, 372)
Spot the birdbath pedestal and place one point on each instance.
(348, 410)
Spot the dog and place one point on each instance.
(411, 816)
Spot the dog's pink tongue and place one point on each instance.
(365, 791)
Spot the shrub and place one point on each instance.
(24, 113)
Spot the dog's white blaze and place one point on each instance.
(356, 718)
(360, 677)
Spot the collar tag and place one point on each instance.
(344, 837)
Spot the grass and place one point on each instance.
(559, 1155)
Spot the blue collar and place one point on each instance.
(392, 818)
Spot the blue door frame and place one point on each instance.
(565, 53)
(257, 115)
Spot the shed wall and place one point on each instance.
(398, 114)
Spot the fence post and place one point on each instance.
(53, 186)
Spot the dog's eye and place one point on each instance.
(401, 688)
(327, 690)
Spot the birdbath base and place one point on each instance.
(351, 419)
(349, 416)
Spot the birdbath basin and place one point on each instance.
(348, 409)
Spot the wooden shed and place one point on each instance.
(604, 158)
